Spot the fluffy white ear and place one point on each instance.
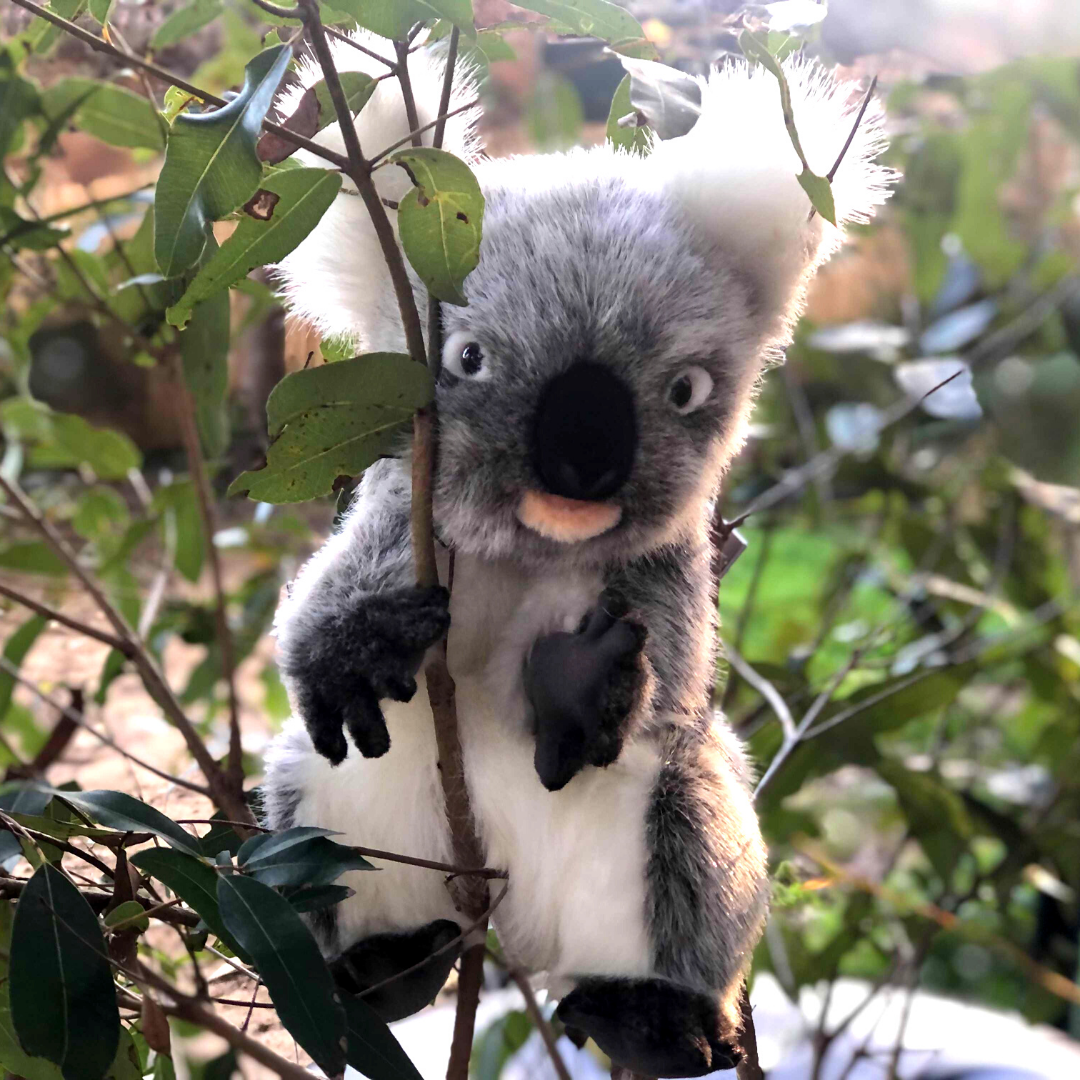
(336, 278)
(735, 173)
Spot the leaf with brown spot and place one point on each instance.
(261, 205)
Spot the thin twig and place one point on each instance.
(227, 796)
(851, 135)
(415, 133)
(540, 1022)
(9, 824)
(337, 34)
(197, 467)
(80, 722)
(100, 45)
(65, 620)
(276, 10)
(764, 688)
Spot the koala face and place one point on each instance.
(596, 385)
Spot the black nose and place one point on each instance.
(585, 433)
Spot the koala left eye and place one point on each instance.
(465, 358)
(689, 390)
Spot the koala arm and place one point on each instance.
(354, 629)
(640, 659)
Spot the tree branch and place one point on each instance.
(197, 467)
(540, 1022)
(227, 797)
(65, 620)
(100, 45)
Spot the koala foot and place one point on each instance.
(651, 1026)
(382, 956)
(351, 661)
(583, 687)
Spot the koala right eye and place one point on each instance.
(465, 359)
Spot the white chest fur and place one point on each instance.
(576, 857)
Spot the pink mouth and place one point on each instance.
(566, 520)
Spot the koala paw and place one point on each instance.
(583, 687)
(351, 661)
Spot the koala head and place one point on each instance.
(599, 380)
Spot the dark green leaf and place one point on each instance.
(300, 856)
(211, 168)
(357, 87)
(19, 100)
(184, 22)
(819, 190)
(18, 645)
(62, 998)
(333, 421)
(373, 1050)
(291, 966)
(25, 234)
(440, 220)
(393, 18)
(289, 206)
(204, 346)
(317, 897)
(113, 666)
(182, 524)
(126, 814)
(669, 99)
(632, 139)
(108, 112)
(194, 881)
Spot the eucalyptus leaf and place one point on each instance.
(596, 18)
(629, 137)
(211, 168)
(101, 10)
(184, 22)
(299, 856)
(292, 204)
(15, 650)
(63, 1004)
(372, 1048)
(335, 420)
(440, 221)
(106, 111)
(194, 881)
(291, 967)
(669, 99)
(124, 813)
(204, 348)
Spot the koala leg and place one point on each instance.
(652, 1027)
(398, 974)
(399, 914)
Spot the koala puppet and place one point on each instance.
(592, 394)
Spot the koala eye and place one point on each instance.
(690, 389)
(465, 358)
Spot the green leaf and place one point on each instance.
(113, 667)
(756, 49)
(555, 115)
(32, 557)
(440, 220)
(288, 206)
(372, 1048)
(204, 348)
(596, 18)
(819, 190)
(101, 10)
(128, 910)
(119, 811)
(498, 1043)
(632, 139)
(63, 440)
(211, 167)
(291, 966)
(184, 22)
(669, 99)
(25, 234)
(299, 856)
(333, 421)
(18, 645)
(19, 100)
(357, 88)
(182, 523)
(317, 897)
(63, 1004)
(388, 18)
(108, 112)
(194, 881)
